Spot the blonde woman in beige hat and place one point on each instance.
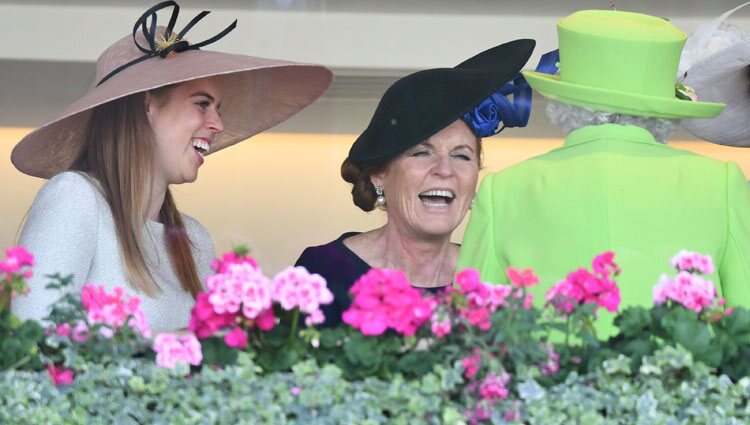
(158, 106)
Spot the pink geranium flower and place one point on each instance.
(440, 324)
(115, 310)
(62, 329)
(204, 321)
(583, 287)
(236, 338)
(238, 294)
(471, 364)
(481, 298)
(690, 290)
(14, 270)
(60, 375)
(551, 366)
(295, 287)
(494, 387)
(315, 318)
(172, 349)
(384, 299)
(16, 259)
(522, 278)
(266, 320)
(604, 264)
(694, 262)
(221, 265)
(480, 413)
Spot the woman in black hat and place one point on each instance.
(419, 160)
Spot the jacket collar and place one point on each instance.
(628, 133)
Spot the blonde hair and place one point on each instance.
(118, 148)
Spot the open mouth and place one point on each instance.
(437, 198)
(201, 146)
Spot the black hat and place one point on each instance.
(421, 104)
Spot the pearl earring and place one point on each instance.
(380, 201)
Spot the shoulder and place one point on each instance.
(196, 231)
(72, 185)
(314, 257)
(701, 168)
(313, 253)
(67, 195)
(338, 265)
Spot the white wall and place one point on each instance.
(356, 34)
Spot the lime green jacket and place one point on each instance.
(612, 187)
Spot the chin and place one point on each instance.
(186, 179)
(439, 231)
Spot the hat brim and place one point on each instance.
(723, 77)
(552, 87)
(257, 94)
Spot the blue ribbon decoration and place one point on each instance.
(486, 117)
(175, 44)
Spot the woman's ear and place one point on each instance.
(148, 101)
(377, 179)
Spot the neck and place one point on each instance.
(155, 200)
(428, 262)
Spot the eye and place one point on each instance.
(420, 153)
(463, 156)
(203, 104)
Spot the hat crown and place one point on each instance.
(419, 105)
(621, 51)
(121, 52)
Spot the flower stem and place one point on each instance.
(5, 297)
(20, 363)
(293, 332)
(588, 324)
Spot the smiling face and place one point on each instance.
(185, 124)
(429, 188)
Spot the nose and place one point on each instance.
(443, 166)
(214, 122)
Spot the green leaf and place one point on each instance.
(276, 337)
(277, 360)
(737, 324)
(216, 352)
(331, 338)
(417, 363)
(363, 350)
(692, 334)
(633, 320)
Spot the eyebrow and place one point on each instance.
(464, 146)
(203, 93)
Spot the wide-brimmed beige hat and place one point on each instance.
(258, 93)
(716, 64)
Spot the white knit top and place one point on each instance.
(70, 230)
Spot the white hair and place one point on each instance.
(569, 118)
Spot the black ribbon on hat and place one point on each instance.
(169, 42)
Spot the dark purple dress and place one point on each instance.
(341, 267)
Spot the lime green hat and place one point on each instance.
(620, 62)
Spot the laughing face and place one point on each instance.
(185, 124)
(429, 188)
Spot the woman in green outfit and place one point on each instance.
(613, 185)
